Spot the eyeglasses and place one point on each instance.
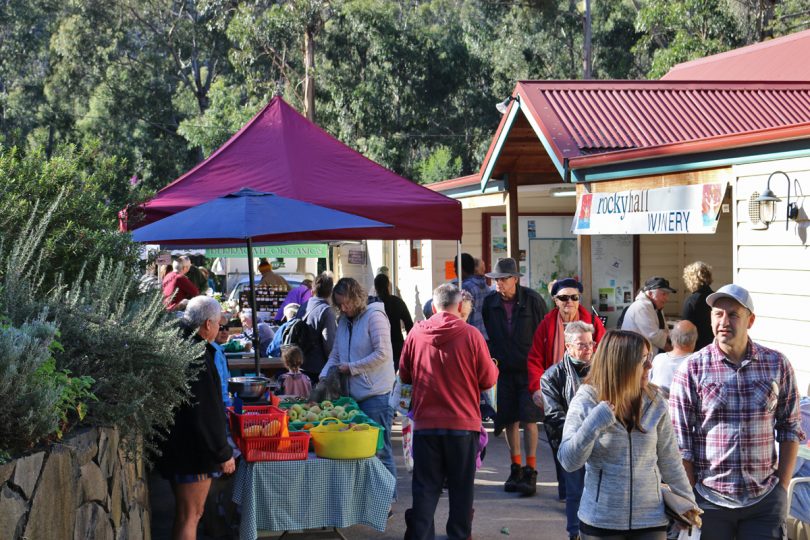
(584, 346)
(567, 297)
(503, 279)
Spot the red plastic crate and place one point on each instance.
(294, 447)
(255, 415)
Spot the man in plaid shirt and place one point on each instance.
(726, 402)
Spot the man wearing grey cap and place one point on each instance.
(645, 315)
(726, 402)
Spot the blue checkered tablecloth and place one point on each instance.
(310, 494)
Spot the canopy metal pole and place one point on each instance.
(254, 314)
(458, 263)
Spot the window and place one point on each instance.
(416, 254)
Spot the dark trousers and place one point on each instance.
(764, 520)
(574, 484)
(561, 485)
(436, 457)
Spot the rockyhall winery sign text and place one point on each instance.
(671, 210)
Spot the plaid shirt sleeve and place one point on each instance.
(788, 419)
(682, 403)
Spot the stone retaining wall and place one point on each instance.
(81, 488)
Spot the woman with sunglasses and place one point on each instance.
(618, 427)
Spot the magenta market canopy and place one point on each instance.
(281, 152)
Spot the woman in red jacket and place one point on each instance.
(548, 345)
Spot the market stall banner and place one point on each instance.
(691, 209)
(285, 250)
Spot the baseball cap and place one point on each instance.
(658, 283)
(735, 292)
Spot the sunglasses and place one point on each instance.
(223, 328)
(647, 361)
(567, 297)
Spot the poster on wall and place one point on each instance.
(691, 209)
(532, 228)
(551, 259)
(612, 271)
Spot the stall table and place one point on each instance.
(247, 361)
(312, 494)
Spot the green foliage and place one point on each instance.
(114, 343)
(93, 188)
(440, 165)
(39, 401)
(682, 30)
(130, 346)
(73, 392)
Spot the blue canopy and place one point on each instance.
(247, 214)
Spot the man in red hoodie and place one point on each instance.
(448, 363)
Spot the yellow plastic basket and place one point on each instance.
(331, 443)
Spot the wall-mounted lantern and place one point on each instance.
(767, 203)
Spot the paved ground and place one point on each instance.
(541, 517)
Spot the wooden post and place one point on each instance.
(585, 268)
(512, 221)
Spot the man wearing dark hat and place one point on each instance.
(731, 403)
(511, 315)
(646, 316)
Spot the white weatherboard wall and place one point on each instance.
(774, 264)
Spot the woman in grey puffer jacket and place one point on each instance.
(618, 427)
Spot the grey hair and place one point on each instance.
(575, 328)
(177, 265)
(683, 339)
(445, 296)
(201, 309)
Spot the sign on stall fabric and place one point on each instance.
(691, 209)
(357, 256)
(284, 250)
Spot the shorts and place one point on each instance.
(514, 400)
(194, 478)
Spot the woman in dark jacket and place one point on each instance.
(397, 312)
(196, 448)
(697, 277)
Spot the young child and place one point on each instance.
(294, 383)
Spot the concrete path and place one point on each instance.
(541, 517)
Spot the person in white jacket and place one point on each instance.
(646, 314)
(618, 427)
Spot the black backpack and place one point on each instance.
(303, 335)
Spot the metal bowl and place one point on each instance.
(248, 387)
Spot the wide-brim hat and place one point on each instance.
(504, 268)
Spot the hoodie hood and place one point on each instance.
(441, 328)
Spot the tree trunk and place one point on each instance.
(309, 80)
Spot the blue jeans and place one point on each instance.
(376, 408)
(574, 484)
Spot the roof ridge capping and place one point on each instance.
(655, 84)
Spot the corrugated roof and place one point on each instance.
(778, 59)
(590, 117)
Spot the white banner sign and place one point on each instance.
(670, 210)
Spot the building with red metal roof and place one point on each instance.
(780, 59)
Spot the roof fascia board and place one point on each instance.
(676, 164)
(511, 114)
(494, 186)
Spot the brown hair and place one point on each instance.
(292, 356)
(614, 374)
(353, 293)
